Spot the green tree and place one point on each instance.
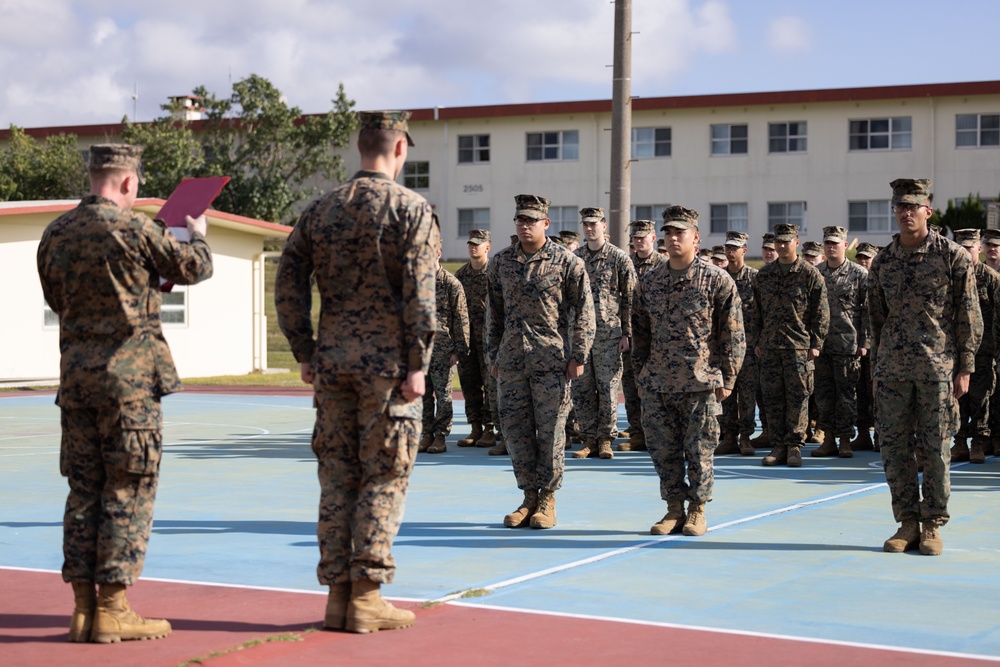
(970, 213)
(37, 170)
(172, 153)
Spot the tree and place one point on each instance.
(968, 214)
(172, 153)
(31, 170)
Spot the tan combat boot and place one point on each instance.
(746, 447)
(589, 449)
(845, 451)
(862, 443)
(635, 443)
(488, 439)
(977, 453)
(368, 611)
(815, 434)
(727, 445)
(522, 515)
(905, 539)
(545, 516)
(627, 433)
(85, 596)
(672, 521)
(499, 449)
(470, 441)
(604, 448)
(114, 620)
(761, 441)
(778, 456)
(930, 539)
(695, 525)
(794, 459)
(828, 448)
(960, 451)
(438, 446)
(336, 606)
(425, 442)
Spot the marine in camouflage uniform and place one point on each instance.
(689, 345)
(866, 415)
(100, 266)
(539, 331)
(927, 327)
(371, 246)
(973, 407)
(789, 324)
(768, 254)
(838, 366)
(612, 281)
(451, 344)
(643, 234)
(991, 250)
(478, 386)
(737, 419)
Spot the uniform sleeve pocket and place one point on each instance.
(140, 440)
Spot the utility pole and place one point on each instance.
(621, 126)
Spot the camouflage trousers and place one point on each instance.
(866, 412)
(533, 410)
(786, 382)
(974, 406)
(595, 393)
(682, 428)
(738, 409)
(911, 416)
(437, 392)
(111, 458)
(365, 441)
(478, 387)
(837, 393)
(633, 405)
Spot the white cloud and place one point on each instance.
(789, 35)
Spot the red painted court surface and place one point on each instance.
(790, 573)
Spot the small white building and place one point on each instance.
(215, 328)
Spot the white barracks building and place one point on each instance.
(744, 161)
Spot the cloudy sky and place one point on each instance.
(77, 62)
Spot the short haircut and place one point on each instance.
(378, 142)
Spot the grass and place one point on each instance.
(285, 637)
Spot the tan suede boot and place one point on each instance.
(472, 438)
(761, 441)
(845, 451)
(604, 448)
(930, 539)
(85, 595)
(438, 446)
(499, 449)
(828, 448)
(114, 620)
(672, 521)
(696, 525)
(817, 435)
(589, 449)
(794, 456)
(368, 611)
(635, 443)
(545, 516)
(522, 515)
(488, 439)
(336, 606)
(863, 443)
(425, 442)
(977, 453)
(746, 448)
(727, 445)
(905, 539)
(960, 451)
(778, 456)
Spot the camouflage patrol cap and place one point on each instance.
(558, 240)
(867, 250)
(911, 191)
(479, 236)
(784, 231)
(968, 238)
(680, 217)
(569, 237)
(531, 206)
(705, 253)
(737, 239)
(768, 241)
(513, 239)
(991, 236)
(812, 248)
(834, 234)
(661, 243)
(386, 120)
(642, 228)
(719, 252)
(126, 157)
(592, 214)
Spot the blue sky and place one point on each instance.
(75, 62)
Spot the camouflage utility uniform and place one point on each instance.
(633, 406)
(372, 246)
(478, 386)
(452, 338)
(100, 268)
(739, 408)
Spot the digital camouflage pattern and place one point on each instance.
(633, 405)
(786, 383)
(478, 386)
(541, 315)
(739, 408)
(452, 337)
(386, 120)
(595, 393)
(974, 407)
(927, 325)
(838, 366)
(372, 247)
(689, 341)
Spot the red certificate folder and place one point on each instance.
(192, 197)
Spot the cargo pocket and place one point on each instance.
(140, 442)
(401, 432)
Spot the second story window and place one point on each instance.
(563, 218)
(869, 216)
(549, 146)
(650, 142)
(417, 175)
(729, 218)
(977, 130)
(881, 134)
(473, 148)
(472, 218)
(786, 138)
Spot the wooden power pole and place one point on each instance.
(621, 126)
